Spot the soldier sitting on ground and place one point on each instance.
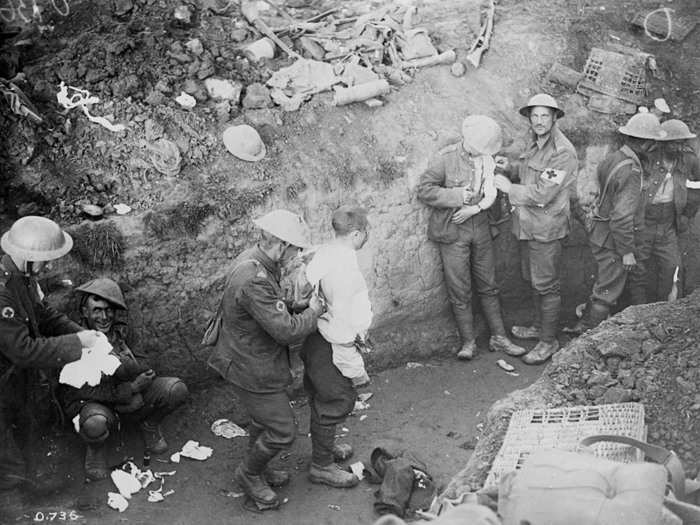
(133, 391)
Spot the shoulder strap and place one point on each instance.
(230, 276)
(625, 162)
(655, 453)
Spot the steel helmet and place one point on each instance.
(643, 126)
(244, 142)
(676, 130)
(35, 239)
(106, 289)
(287, 226)
(542, 99)
(483, 134)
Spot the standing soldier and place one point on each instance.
(612, 231)
(546, 173)
(32, 336)
(458, 186)
(663, 212)
(251, 352)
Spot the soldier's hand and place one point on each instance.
(317, 304)
(628, 261)
(88, 338)
(142, 381)
(464, 213)
(502, 183)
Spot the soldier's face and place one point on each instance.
(541, 120)
(99, 314)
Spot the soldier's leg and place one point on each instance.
(532, 331)
(483, 265)
(456, 269)
(637, 278)
(334, 398)
(163, 396)
(273, 413)
(96, 421)
(545, 261)
(668, 257)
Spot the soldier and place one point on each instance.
(133, 392)
(612, 228)
(250, 349)
(332, 362)
(663, 213)
(32, 336)
(546, 173)
(458, 186)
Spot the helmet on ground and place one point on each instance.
(35, 239)
(643, 126)
(244, 142)
(483, 134)
(287, 226)
(676, 130)
(544, 100)
(662, 105)
(106, 289)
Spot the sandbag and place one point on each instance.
(557, 487)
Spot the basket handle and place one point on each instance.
(655, 453)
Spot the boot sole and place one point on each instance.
(262, 505)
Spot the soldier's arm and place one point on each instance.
(52, 322)
(431, 187)
(25, 351)
(693, 185)
(108, 391)
(626, 196)
(543, 192)
(260, 300)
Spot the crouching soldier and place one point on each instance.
(32, 336)
(612, 229)
(133, 391)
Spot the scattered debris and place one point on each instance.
(615, 73)
(358, 468)
(80, 98)
(564, 75)
(92, 210)
(18, 101)
(122, 209)
(244, 142)
(412, 364)
(227, 429)
(117, 501)
(94, 362)
(222, 89)
(165, 157)
(186, 100)
(483, 40)
(334, 507)
(363, 417)
(193, 450)
(126, 483)
(259, 50)
(505, 365)
(665, 23)
(458, 69)
(361, 92)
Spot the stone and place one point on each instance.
(239, 34)
(263, 117)
(650, 346)
(222, 89)
(153, 130)
(222, 110)
(206, 70)
(257, 96)
(458, 69)
(194, 88)
(155, 98)
(195, 46)
(616, 394)
(163, 86)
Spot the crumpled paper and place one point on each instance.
(126, 483)
(193, 450)
(291, 85)
(94, 362)
(80, 98)
(227, 429)
(117, 501)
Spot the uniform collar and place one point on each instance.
(629, 152)
(8, 265)
(270, 265)
(555, 138)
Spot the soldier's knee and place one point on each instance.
(177, 393)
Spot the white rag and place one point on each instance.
(94, 362)
(81, 98)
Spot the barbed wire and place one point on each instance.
(665, 10)
(11, 10)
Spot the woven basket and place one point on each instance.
(615, 74)
(564, 428)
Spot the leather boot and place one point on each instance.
(542, 351)
(595, 314)
(96, 462)
(153, 437)
(551, 306)
(465, 327)
(532, 331)
(323, 469)
(500, 343)
(274, 477)
(249, 477)
(11, 507)
(491, 306)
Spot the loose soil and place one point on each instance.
(434, 410)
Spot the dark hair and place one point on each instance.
(349, 218)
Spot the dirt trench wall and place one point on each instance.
(649, 354)
(172, 252)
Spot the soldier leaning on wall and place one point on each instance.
(458, 186)
(669, 176)
(133, 392)
(32, 336)
(612, 229)
(546, 171)
(250, 350)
